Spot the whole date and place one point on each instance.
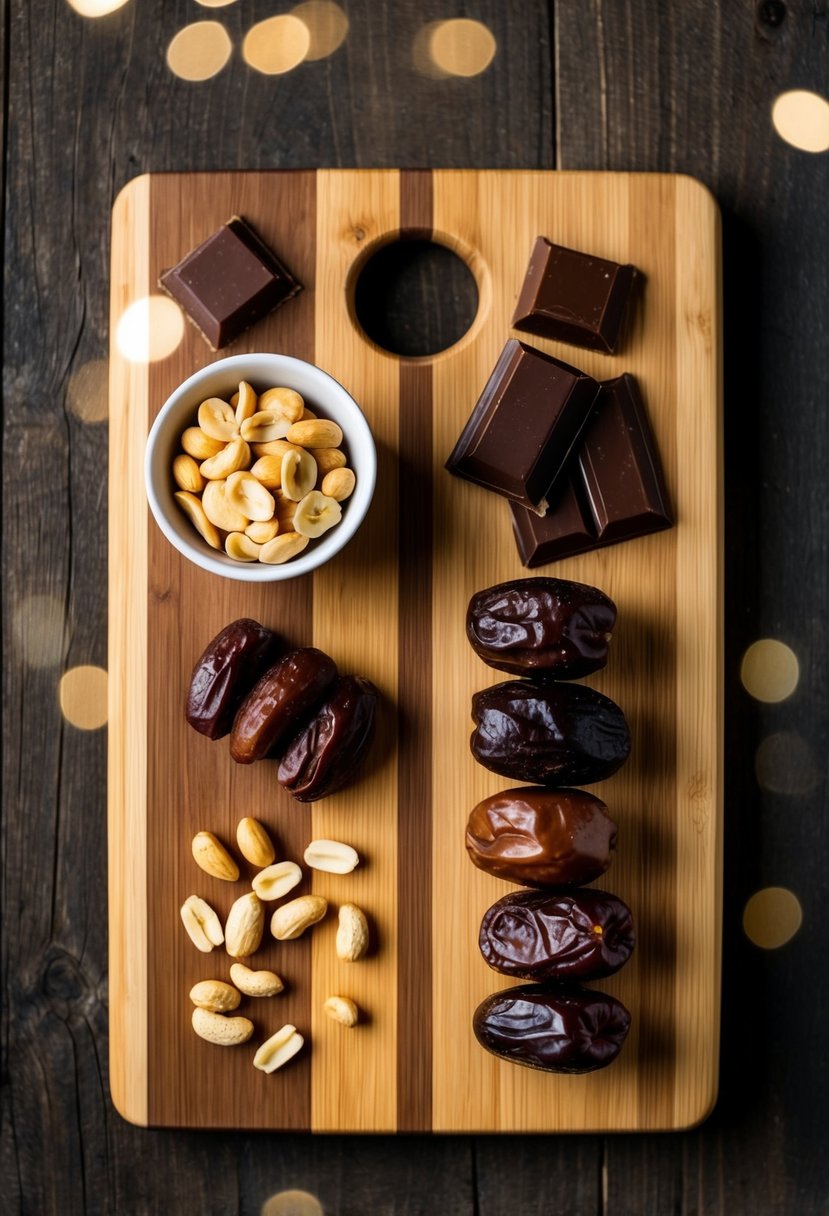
(279, 701)
(326, 752)
(225, 673)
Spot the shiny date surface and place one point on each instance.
(557, 935)
(555, 734)
(541, 627)
(226, 672)
(327, 751)
(541, 837)
(279, 702)
(557, 1029)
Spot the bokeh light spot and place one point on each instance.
(292, 1203)
(95, 8)
(461, 47)
(40, 631)
(277, 44)
(327, 26)
(769, 670)
(785, 764)
(215, 3)
(772, 917)
(801, 118)
(199, 51)
(82, 693)
(150, 329)
(87, 393)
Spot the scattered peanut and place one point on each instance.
(225, 1032)
(245, 925)
(278, 1049)
(215, 995)
(343, 1010)
(277, 880)
(352, 933)
(255, 983)
(202, 924)
(212, 856)
(254, 843)
(292, 919)
(332, 856)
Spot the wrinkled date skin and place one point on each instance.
(540, 837)
(558, 1029)
(557, 935)
(556, 734)
(325, 754)
(541, 627)
(225, 674)
(276, 706)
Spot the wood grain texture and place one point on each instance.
(393, 608)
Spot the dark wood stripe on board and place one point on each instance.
(414, 824)
(192, 1083)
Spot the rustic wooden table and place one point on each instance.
(94, 97)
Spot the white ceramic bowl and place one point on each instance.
(322, 393)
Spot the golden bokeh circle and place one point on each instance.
(785, 764)
(461, 46)
(150, 329)
(39, 629)
(276, 45)
(769, 670)
(87, 393)
(199, 51)
(82, 693)
(772, 917)
(95, 8)
(292, 1203)
(327, 26)
(801, 118)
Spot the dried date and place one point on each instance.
(225, 673)
(555, 734)
(557, 935)
(327, 751)
(276, 706)
(541, 837)
(541, 627)
(558, 1029)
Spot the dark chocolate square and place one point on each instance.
(573, 297)
(615, 490)
(228, 282)
(524, 426)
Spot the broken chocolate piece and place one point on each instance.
(615, 490)
(524, 426)
(573, 297)
(229, 281)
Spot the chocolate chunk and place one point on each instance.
(229, 281)
(615, 490)
(557, 935)
(558, 1029)
(524, 426)
(541, 838)
(573, 297)
(541, 627)
(554, 734)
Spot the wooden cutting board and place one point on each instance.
(391, 607)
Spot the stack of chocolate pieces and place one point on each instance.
(550, 837)
(575, 457)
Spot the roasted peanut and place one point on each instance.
(202, 924)
(187, 475)
(339, 484)
(223, 1031)
(245, 925)
(212, 856)
(343, 1010)
(292, 919)
(315, 433)
(215, 995)
(332, 856)
(352, 933)
(278, 1049)
(277, 880)
(193, 509)
(255, 983)
(254, 843)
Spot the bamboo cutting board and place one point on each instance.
(392, 607)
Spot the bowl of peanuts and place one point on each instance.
(260, 467)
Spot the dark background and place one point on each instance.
(670, 85)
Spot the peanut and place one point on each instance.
(332, 856)
(241, 548)
(187, 475)
(212, 856)
(217, 420)
(352, 933)
(268, 470)
(219, 510)
(292, 919)
(339, 484)
(215, 995)
(193, 509)
(198, 445)
(315, 433)
(234, 455)
(264, 426)
(225, 1032)
(255, 983)
(245, 403)
(245, 925)
(328, 459)
(261, 533)
(277, 880)
(284, 401)
(282, 548)
(202, 924)
(254, 843)
(278, 1049)
(343, 1010)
